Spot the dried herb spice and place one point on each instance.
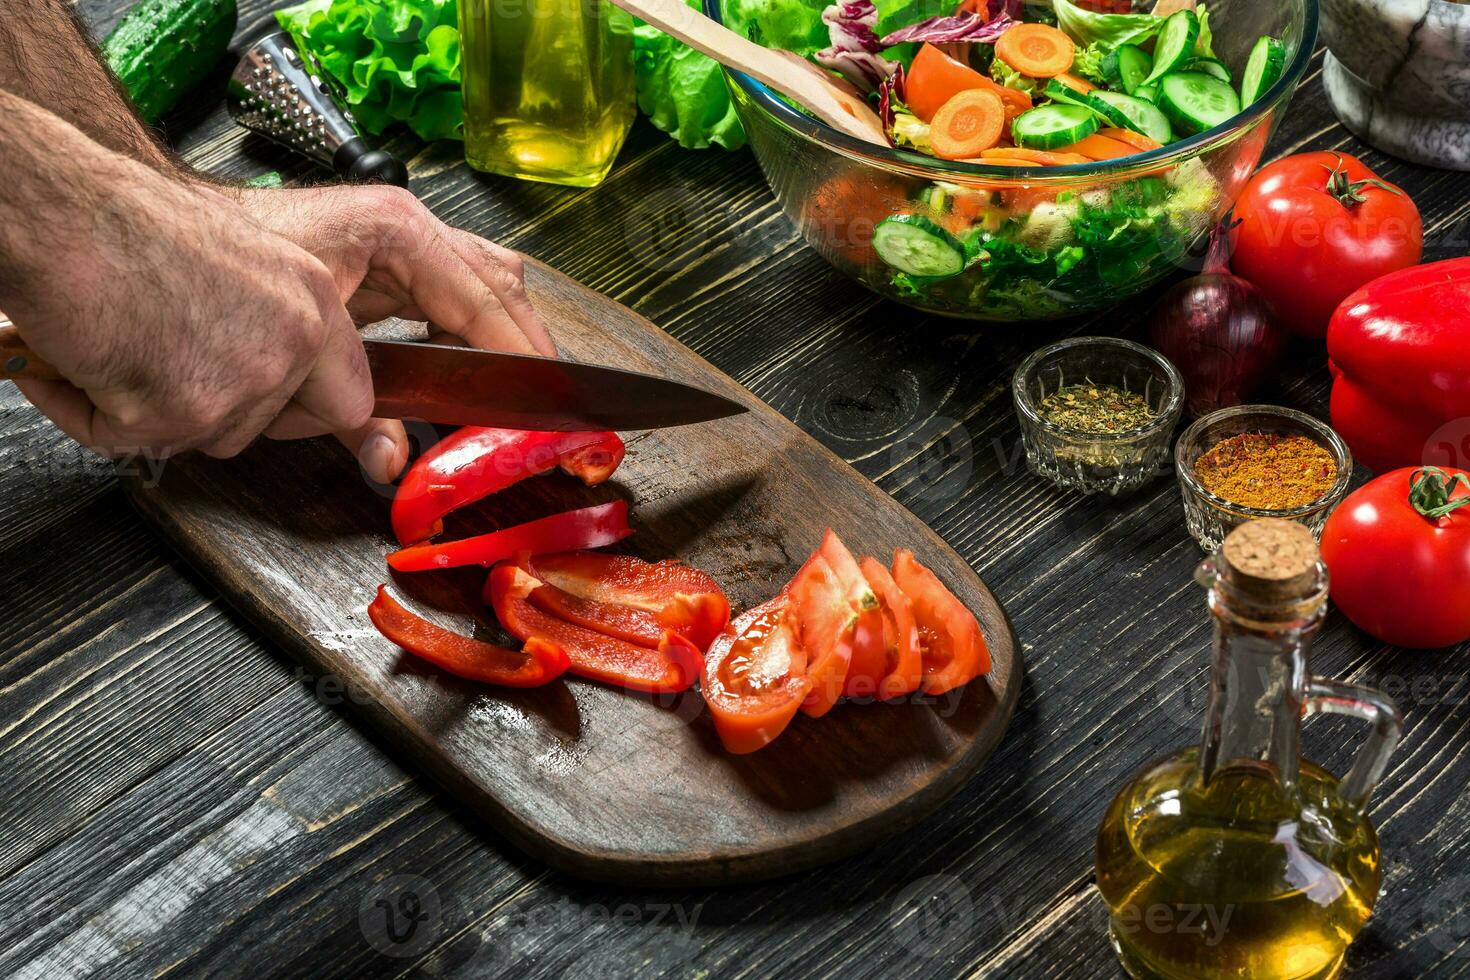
(1096, 409)
(1266, 471)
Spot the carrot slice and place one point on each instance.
(1098, 147)
(1128, 136)
(1044, 157)
(1038, 50)
(969, 122)
(1076, 83)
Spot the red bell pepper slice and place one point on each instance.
(670, 668)
(839, 621)
(474, 462)
(541, 662)
(588, 527)
(954, 649)
(629, 598)
(755, 676)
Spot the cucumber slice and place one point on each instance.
(1126, 66)
(1175, 44)
(1210, 66)
(1195, 102)
(913, 244)
(1051, 126)
(1066, 94)
(1264, 69)
(1131, 112)
(1148, 93)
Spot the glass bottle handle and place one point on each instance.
(1330, 697)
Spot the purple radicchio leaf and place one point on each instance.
(854, 49)
(889, 92)
(965, 26)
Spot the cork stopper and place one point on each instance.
(1271, 560)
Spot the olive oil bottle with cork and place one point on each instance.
(1239, 859)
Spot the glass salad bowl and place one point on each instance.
(1039, 243)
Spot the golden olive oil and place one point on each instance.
(548, 87)
(1233, 880)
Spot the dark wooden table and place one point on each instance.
(178, 796)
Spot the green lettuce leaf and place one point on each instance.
(683, 92)
(1107, 31)
(1205, 46)
(1010, 78)
(1088, 63)
(795, 25)
(395, 60)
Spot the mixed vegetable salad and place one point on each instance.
(1026, 85)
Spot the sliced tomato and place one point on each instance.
(902, 653)
(838, 619)
(630, 598)
(671, 667)
(541, 661)
(755, 677)
(954, 650)
(869, 662)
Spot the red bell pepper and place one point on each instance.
(541, 662)
(629, 598)
(588, 527)
(474, 462)
(670, 668)
(1400, 353)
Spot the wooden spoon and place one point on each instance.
(786, 72)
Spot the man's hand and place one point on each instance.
(389, 256)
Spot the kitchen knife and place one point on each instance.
(466, 386)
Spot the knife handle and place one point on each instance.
(17, 361)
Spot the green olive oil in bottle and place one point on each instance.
(548, 87)
(1239, 859)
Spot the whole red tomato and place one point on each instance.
(1316, 226)
(1398, 550)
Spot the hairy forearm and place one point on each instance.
(46, 58)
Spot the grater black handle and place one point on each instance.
(356, 160)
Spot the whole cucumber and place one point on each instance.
(163, 48)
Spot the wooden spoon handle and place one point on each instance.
(17, 361)
(797, 81)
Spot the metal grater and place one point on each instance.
(272, 93)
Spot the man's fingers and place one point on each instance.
(381, 448)
(64, 404)
(503, 272)
(338, 390)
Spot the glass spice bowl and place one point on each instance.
(1209, 517)
(1098, 462)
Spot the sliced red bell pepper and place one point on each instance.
(755, 677)
(954, 649)
(541, 661)
(475, 462)
(670, 668)
(588, 527)
(629, 598)
(902, 654)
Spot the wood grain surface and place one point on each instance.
(603, 783)
(181, 798)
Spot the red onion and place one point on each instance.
(1219, 331)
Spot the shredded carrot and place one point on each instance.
(1075, 82)
(1038, 50)
(1043, 157)
(971, 121)
(1133, 139)
(1099, 147)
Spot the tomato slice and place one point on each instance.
(754, 677)
(670, 668)
(630, 598)
(541, 662)
(902, 653)
(838, 618)
(935, 78)
(954, 650)
(869, 661)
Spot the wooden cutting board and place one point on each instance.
(592, 780)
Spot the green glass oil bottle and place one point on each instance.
(548, 87)
(1239, 859)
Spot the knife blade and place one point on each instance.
(467, 386)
